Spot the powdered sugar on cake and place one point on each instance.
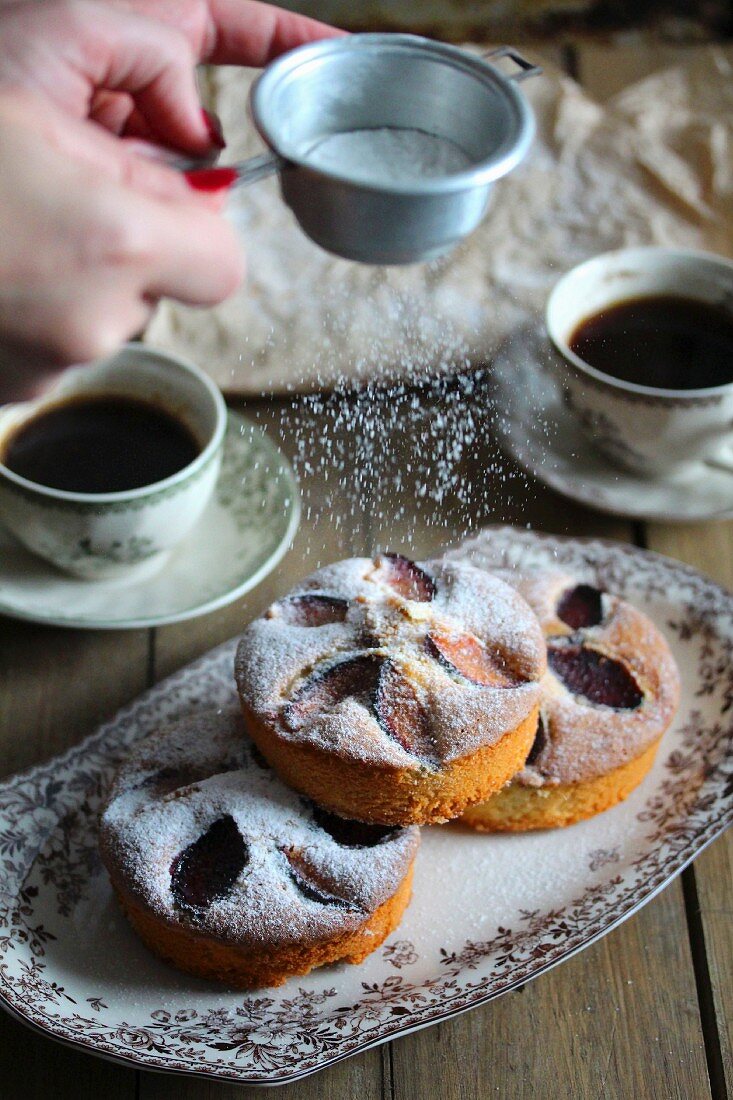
(393, 606)
(180, 782)
(585, 738)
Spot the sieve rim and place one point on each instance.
(508, 154)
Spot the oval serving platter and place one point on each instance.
(73, 969)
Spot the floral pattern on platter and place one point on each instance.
(51, 883)
(600, 857)
(400, 953)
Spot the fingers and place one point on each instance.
(234, 32)
(154, 64)
(139, 253)
(131, 63)
(92, 237)
(116, 112)
(246, 32)
(112, 110)
(73, 51)
(90, 323)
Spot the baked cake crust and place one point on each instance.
(393, 691)
(229, 875)
(610, 691)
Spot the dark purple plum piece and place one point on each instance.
(581, 607)
(326, 687)
(464, 654)
(306, 880)
(540, 740)
(209, 867)
(352, 834)
(407, 579)
(377, 684)
(598, 678)
(167, 780)
(401, 714)
(313, 609)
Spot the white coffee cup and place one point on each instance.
(130, 533)
(644, 429)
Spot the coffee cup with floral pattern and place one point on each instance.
(650, 431)
(130, 533)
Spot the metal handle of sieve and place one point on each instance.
(526, 68)
(224, 176)
(257, 168)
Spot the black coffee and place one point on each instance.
(666, 341)
(100, 445)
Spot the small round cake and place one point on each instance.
(391, 691)
(610, 691)
(227, 874)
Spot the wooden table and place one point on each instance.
(647, 1012)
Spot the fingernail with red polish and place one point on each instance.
(211, 179)
(213, 127)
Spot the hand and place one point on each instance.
(90, 241)
(92, 234)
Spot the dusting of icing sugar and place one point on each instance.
(275, 658)
(389, 456)
(142, 833)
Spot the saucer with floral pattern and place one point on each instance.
(538, 429)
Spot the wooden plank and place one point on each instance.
(35, 1068)
(359, 1078)
(709, 547)
(618, 1020)
(55, 687)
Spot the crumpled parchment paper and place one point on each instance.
(652, 166)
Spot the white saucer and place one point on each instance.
(542, 434)
(242, 535)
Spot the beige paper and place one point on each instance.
(653, 166)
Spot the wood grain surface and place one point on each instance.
(644, 1014)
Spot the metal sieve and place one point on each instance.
(395, 82)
